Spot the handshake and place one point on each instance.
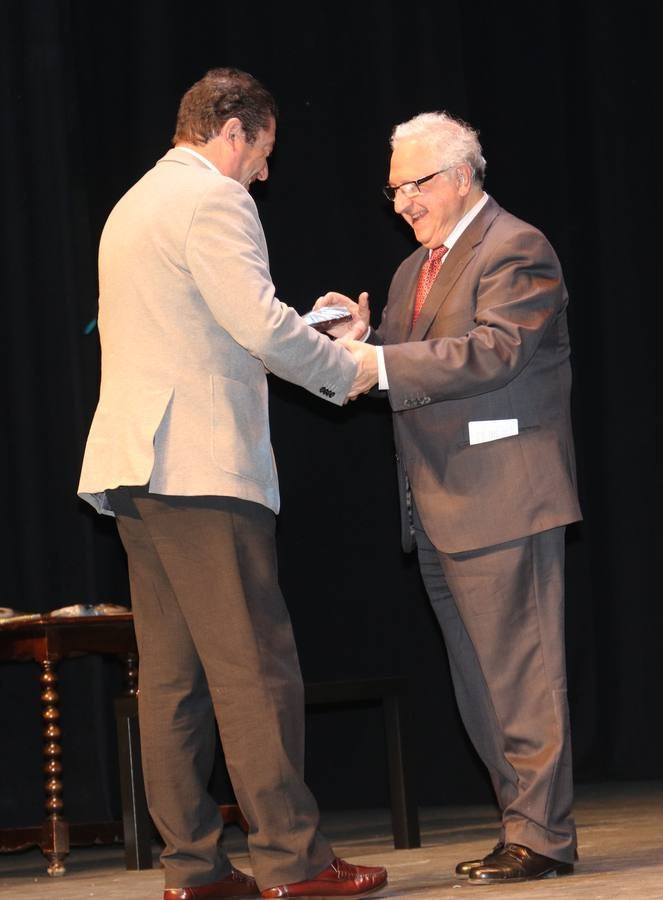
(348, 322)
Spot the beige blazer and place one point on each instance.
(491, 345)
(189, 326)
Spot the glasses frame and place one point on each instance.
(390, 191)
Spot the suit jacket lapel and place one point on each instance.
(400, 313)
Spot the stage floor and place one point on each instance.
(620, 829)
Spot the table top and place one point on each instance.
(54, 637)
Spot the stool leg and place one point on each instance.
(404, 813)
(55, 831)
(136, 822)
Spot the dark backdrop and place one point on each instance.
(561, 93)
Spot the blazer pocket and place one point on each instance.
(240, 430)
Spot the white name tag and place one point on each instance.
(492, 430)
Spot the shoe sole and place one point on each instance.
(335, 896)
(556, 873)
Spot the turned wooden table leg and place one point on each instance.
(55, 830)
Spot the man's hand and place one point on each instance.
(367, 366)
(361, 314)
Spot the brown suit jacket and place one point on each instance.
(491, 343)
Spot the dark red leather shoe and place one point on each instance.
(339, 879)
(237, 884)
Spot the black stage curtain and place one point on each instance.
(562, 95)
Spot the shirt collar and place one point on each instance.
(465, 221)
(202, 158)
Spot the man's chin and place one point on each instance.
(420, 233)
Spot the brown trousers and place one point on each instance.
(501, 611)
(216, 648)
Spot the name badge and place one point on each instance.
(492, 430)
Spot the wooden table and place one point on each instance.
(47, 640)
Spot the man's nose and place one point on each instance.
(401, 202)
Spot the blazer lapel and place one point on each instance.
(400, 315)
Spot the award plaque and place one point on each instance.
(325, 318)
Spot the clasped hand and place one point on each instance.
(351, 335)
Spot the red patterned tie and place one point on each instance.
(427, 275)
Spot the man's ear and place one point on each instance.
(464, 178)
(232, 130)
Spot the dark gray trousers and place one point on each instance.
(501, 611)
(216, 648)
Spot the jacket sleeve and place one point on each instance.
(227, 256)
(513, 301)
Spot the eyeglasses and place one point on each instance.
(410, 188)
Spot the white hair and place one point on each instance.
(452, 140)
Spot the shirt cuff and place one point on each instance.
(383, 381)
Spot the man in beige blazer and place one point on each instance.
(179, 451)
(479, 385)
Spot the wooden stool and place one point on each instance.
(389, 691)
(46, 641)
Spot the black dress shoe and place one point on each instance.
(514, 862)
(465, 867)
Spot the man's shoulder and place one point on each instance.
(508, 234)
(182, 187)
(504, 220)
